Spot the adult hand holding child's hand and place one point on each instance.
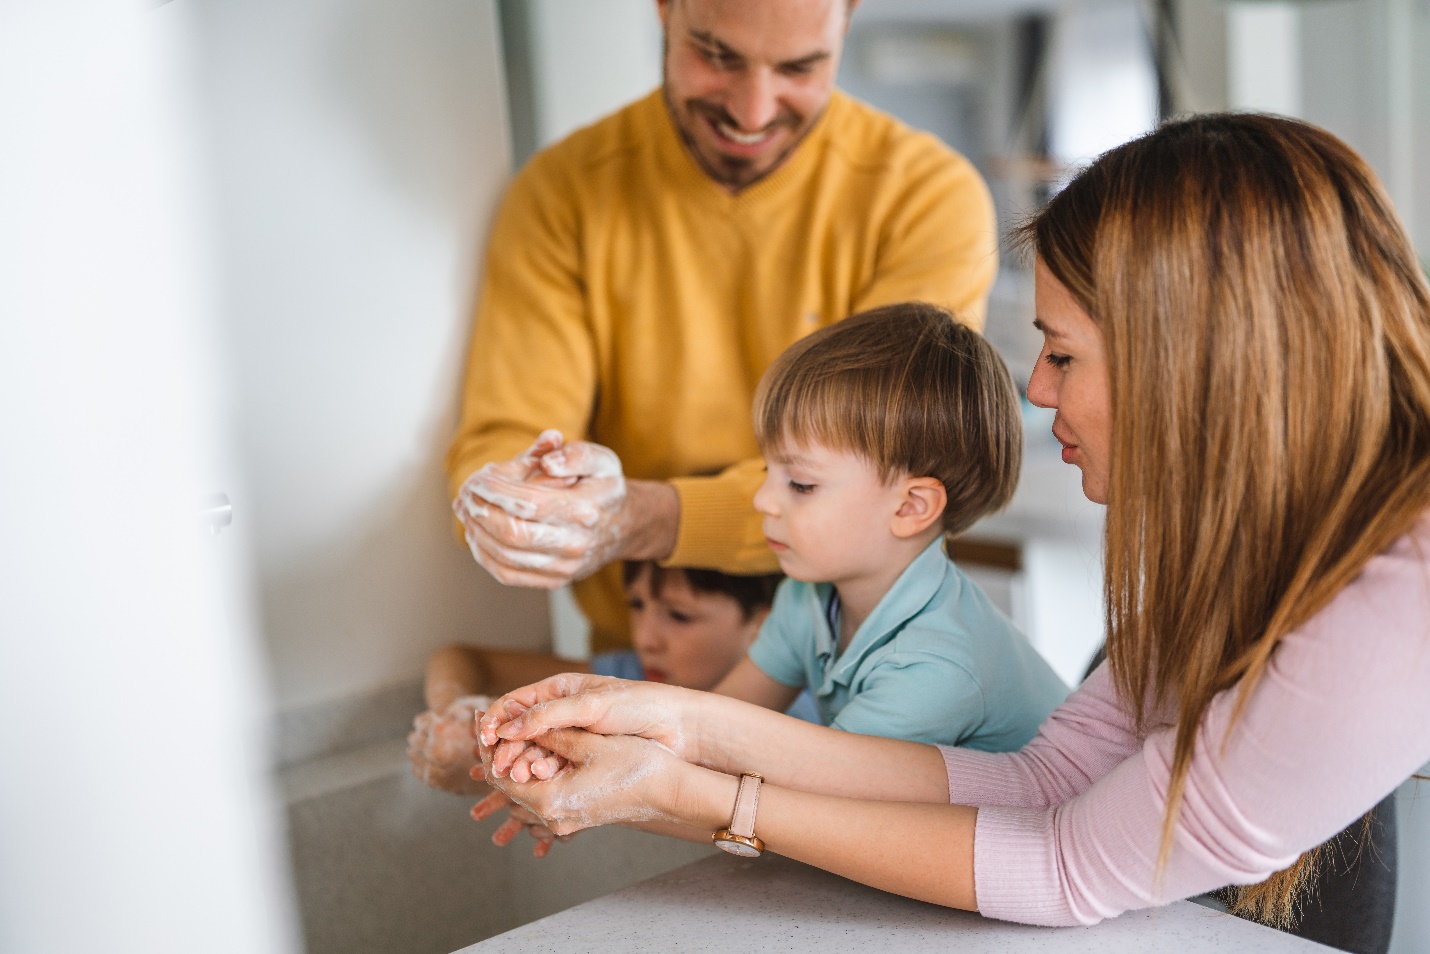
(556, 513)
(603, 780)
(601, 704)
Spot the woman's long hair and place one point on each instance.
(1267, 329)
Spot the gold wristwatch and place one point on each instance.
(739, 838)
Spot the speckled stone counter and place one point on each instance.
(724, 905)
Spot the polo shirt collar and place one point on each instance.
(915, 588)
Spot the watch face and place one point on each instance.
(735, 848)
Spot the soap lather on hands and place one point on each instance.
(551, 783)
(440, 746)
(575, 779)
(523, 756)
(554, 514)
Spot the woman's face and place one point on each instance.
(1071, 378)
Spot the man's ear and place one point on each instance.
(921, 506)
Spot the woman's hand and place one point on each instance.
(603, 780)
(442, 747)
(600, 704)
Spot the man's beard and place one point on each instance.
(736, 172)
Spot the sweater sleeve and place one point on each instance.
(531, 364)
(1336, 723)
(719, 526)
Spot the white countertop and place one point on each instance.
(724, 905)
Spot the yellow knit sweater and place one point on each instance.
(630, 300)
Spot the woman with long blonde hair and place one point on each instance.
(1237, 344)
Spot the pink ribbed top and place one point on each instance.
(1069, 828)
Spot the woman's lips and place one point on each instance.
(1069, 448)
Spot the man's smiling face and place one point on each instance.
(745, 80)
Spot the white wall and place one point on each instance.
(1364, 78)
(1360, 68)
(358, 148)
(136, 813)
(589, 59)
(1102, 87)
(1264, 56)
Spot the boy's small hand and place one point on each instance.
(442, 750)
(518, 819)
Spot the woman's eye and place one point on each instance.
(800, 488)
(1059, 361)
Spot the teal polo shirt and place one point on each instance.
(935, 661)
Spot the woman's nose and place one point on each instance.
(1042, 386)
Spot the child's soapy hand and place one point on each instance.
(442, 747)
(518, 820)
(552, 515)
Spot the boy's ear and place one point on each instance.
(921, 507)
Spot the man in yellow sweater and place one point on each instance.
(644, 272)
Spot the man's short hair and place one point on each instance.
(910, 390)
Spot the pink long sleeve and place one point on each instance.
(1069, 828)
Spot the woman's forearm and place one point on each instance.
(793, 754)
(918, 851)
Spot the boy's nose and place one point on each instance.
(646, 634)
(764, 498)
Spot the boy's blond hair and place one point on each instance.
(910, 390)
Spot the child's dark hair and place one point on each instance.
(753, 593)
(910, 390)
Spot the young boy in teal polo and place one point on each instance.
(882, 434)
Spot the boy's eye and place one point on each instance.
(1058, 360)
(680, 617)
(635, 604)
(800, 488)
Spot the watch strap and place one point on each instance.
(747, 801)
